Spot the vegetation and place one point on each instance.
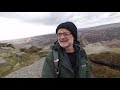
(15, 62)
(105, 65)
(107, 58)
(100, 71)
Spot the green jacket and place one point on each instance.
(66, 71)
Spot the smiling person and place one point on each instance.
(67, 59)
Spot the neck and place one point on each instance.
(70, 49)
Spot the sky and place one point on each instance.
(16, 25)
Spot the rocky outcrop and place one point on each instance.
(6, 45)
(30, 48)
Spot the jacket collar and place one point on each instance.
(56, 46)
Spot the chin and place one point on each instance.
(64, 45)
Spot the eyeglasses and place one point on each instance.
(66, 34)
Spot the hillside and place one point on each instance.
(86, 36)
(100, 34)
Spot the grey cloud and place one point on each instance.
(54, 18)
(10, 15)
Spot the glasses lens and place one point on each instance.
(64, 34)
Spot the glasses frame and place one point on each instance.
(65, 34)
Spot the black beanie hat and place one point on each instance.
(69, 26)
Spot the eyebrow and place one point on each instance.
(65, 32)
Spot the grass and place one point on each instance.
(108, 58)
(5, 70)
(104, 71)
(115, 50)
(15, 62)
(105, 65)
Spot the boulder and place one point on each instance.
(6, 45)
(2, 61)
(30, 48)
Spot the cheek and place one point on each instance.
(71, 41)
(62, 39)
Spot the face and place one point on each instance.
(65, 38)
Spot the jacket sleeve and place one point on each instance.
(87, 64)
(48, 70)
(88, 69)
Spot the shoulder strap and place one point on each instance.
(56, 62)
(83, 53)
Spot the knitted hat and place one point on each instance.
(69, 26)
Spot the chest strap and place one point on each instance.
(56, 62)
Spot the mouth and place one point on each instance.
(63, 41)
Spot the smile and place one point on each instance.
(63, 41)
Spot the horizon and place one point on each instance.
(55, 33)
(17, 25)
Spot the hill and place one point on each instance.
(102, 34)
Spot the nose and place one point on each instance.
(62, 36)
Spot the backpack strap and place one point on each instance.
(56, 62)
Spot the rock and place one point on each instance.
(2, 62)
(7, 45)
(10, 45)
(30, 48)
(19, 54)
(6, 48)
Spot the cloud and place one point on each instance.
(55, 18)
(13, 28)
(51, 18)
(24, 24)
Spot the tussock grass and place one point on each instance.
(42, 53)
(105, 65)
(5, 70)
(108, 58)
(100, 71)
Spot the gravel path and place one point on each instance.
(32, 71)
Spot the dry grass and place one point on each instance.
(100, 71)
(105, 65)
(108, 58)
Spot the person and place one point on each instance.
(72, 60)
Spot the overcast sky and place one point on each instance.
(14, 25)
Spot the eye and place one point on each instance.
(66, 34)
(59, 34)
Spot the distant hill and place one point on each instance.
(86, 36)
(101, 33)
(41, 40)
